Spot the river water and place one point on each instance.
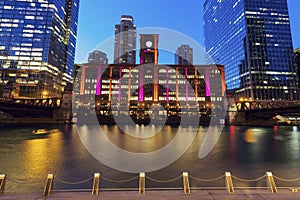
(246, 152)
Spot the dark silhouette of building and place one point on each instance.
(97, 57)
(184, 55)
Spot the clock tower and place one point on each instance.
(149, 48)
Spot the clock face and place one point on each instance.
(148, 44)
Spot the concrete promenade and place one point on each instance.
(161, 195)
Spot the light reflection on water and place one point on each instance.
(247, 152)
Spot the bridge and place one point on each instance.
(28, 107)
(246, 110)
(266, 110)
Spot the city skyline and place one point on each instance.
(89, 37)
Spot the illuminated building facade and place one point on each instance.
(184, 55)
(131, 89)
(253, 41)
(125, 41)
(118, 88)
(297, 58)
(37, 45)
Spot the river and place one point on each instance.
(246, 152)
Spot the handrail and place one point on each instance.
(143, 177)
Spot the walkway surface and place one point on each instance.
(161, 195)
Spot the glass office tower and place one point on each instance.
(37, 44)
(252, 38)
(125, 41)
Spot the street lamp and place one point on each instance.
(44, 94)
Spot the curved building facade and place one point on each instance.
(253, 40)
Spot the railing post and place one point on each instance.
(49, 185)
(186, 184)
(229, 184)
(2, 183)
(294, 189)
(271, 182)
(96, 182)
(142, 183)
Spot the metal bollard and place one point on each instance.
(186, 184)
(271, 182)
(142, 183)
(96, 183)
(229, 184)
(2, 183)
(48, 185)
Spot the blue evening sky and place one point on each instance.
(98, 18)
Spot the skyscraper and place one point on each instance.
(37, 44)
(252, 38)
(297, 57)
(97, 57)
(125, 41)
(184, 55)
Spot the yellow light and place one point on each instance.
(241, 99)
(45, 93)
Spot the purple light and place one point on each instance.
(141, 60)
(186, 85)
(207, 82)
(98, 87)
(119, 95)
(141, 85)
(167, 89)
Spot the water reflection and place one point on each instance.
(249, 136)
(41, 153)
(247, 152)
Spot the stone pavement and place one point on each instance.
(161, 195)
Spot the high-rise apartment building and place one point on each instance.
(184, 55)
(97, 57)
(37, 44)
(125, 41)
(252, 38)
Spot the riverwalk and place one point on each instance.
(161, 195)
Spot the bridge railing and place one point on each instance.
(261, 104)
(229, 183)
(45, 103)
